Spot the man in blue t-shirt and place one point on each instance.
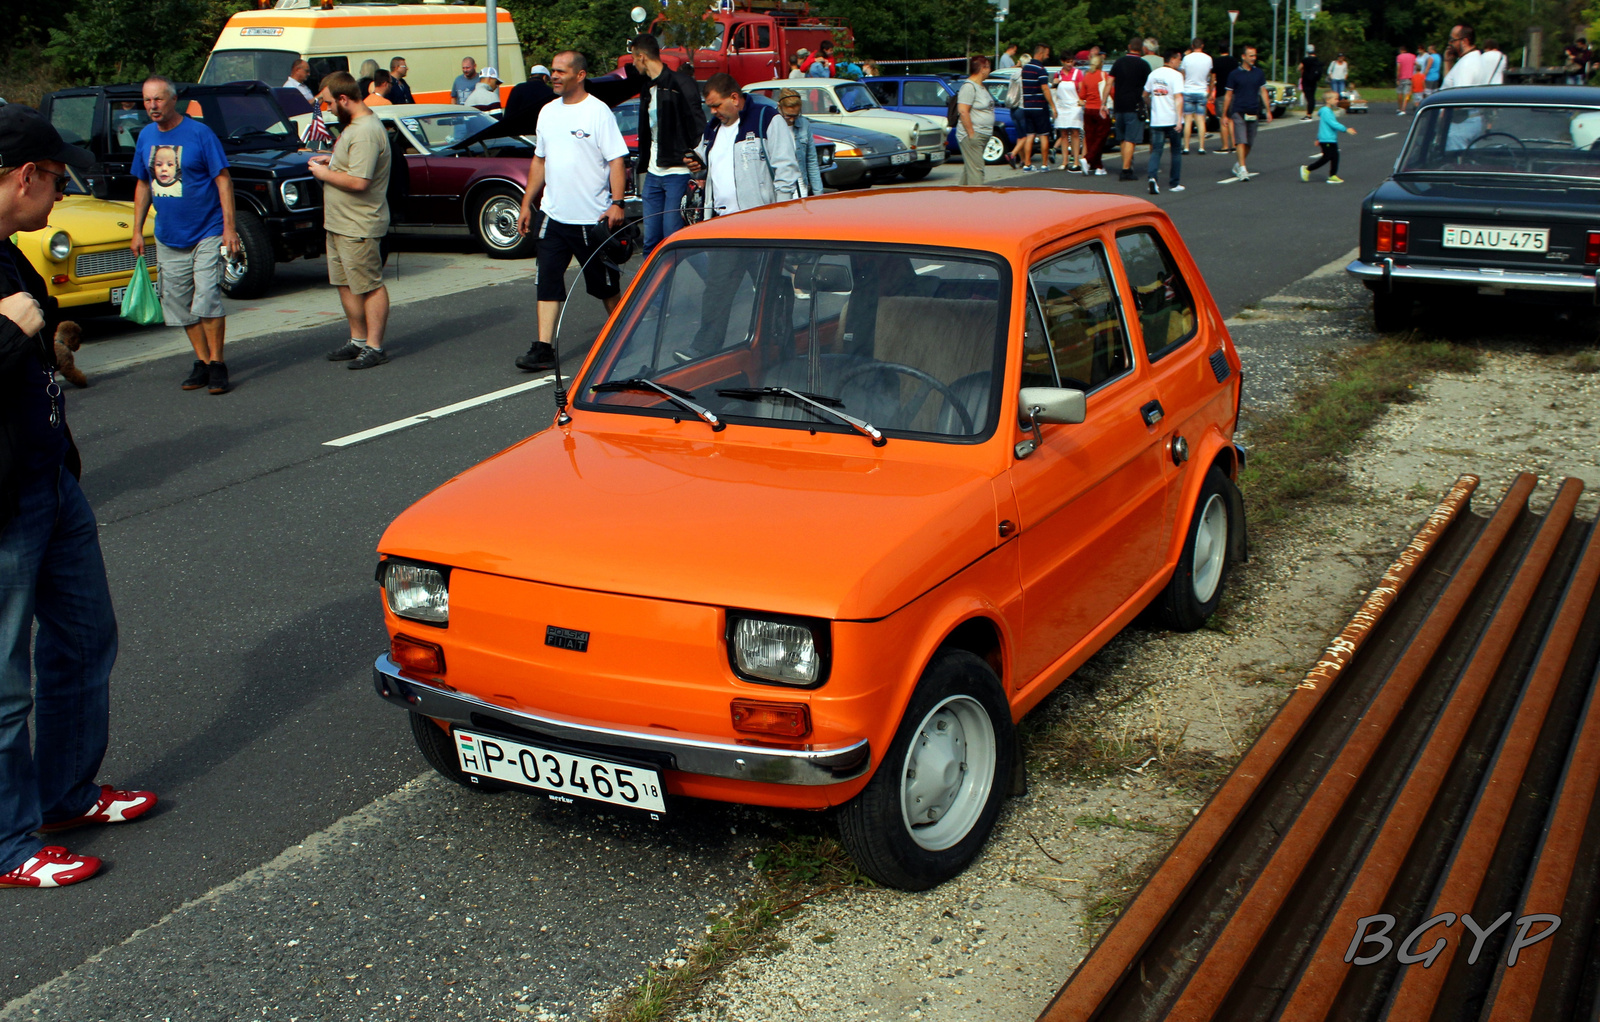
(1038, 111)
(181, 167)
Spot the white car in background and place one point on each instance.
(841, 101)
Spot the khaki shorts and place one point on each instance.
(354, 263)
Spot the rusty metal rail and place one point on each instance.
(1416, 835)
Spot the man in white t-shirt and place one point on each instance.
(1163, 93)
(1196, 69)
(1468, 67)
(578, 165)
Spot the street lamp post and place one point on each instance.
(1194, 18)
(493, 17)
(1233, 19)
(1275, 4)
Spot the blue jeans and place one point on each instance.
(663, 195)
(51, 571)
(1158, 138)
(1338, 86)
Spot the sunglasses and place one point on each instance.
(61, 179)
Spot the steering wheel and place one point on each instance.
(921, 377)
(1505, 134)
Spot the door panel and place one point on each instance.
(1092, 496)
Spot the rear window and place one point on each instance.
(270, 66)
(1546, 141)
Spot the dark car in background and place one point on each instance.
(861, 156)
(1496, 192)
(929, 95)
(278, 204)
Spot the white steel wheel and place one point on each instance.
(949, 769)
(994, 150)
(1210, 548)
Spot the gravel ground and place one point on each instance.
(1126, 752)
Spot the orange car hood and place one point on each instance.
(763, 528)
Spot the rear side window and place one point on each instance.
(763, 37)
(925, 94)
(1079, 310)
(1160, 294)
(73, 118)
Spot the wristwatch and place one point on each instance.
(618, 203)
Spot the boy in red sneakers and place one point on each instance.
(51, 570)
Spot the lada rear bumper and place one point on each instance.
(693, 754)
(1385, 273)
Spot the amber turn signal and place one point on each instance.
(415, 655)
(787, 720)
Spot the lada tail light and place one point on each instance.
(1591, 251)
(785, 720)
(1394, 235)
(416, 656)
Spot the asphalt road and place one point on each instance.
(240, 552)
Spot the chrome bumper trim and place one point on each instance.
(1387, 270)
(692, 754)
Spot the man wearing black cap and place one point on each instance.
(50, 564)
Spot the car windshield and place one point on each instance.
(670, 35)
(856, 97)
(627, 115)
(441, 131)
(908, 342)
(1546, 141)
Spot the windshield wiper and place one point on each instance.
(826, 405)
(677, 395)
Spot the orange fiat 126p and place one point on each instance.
(848, 484)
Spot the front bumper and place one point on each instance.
(692, 754)
(1387, 274)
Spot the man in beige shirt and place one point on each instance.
(355, 201)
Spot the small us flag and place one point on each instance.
(316, 132)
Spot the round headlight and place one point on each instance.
(291, 193)
(60, 246)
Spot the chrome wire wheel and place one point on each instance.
(1210, 548)
(948, 772)
(497, 221)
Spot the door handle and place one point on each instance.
(1152, 413)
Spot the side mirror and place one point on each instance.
(1038, 406)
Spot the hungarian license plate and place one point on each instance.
(1499, 239)
(118, 292)
(563, 775)
(900, 158)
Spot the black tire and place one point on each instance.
(917, 171)
(1391, 311)
(492, 218)
(873, 825)
(252, 274)
(439, 751)
(1188, 601)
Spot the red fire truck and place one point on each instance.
(752, 43)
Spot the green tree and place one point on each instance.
(599, 29)
(104, 41)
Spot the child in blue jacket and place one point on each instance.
(1329, 128)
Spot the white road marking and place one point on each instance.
(438, 413)
(1391, 134)
(1234, 180)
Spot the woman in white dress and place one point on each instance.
(1069, 118)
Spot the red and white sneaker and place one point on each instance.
(112, 806)
(52, 866)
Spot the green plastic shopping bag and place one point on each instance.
(139, 303)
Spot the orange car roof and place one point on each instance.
(1009, 221)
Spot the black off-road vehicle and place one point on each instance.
(278, 204)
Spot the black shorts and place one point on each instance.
(558, 244)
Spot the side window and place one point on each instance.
(1160, 294)
(741, 38)
(1082, 324)
(888, 93)
(925, 94)
(1038, 369)
(73, 118)
(763, 37)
